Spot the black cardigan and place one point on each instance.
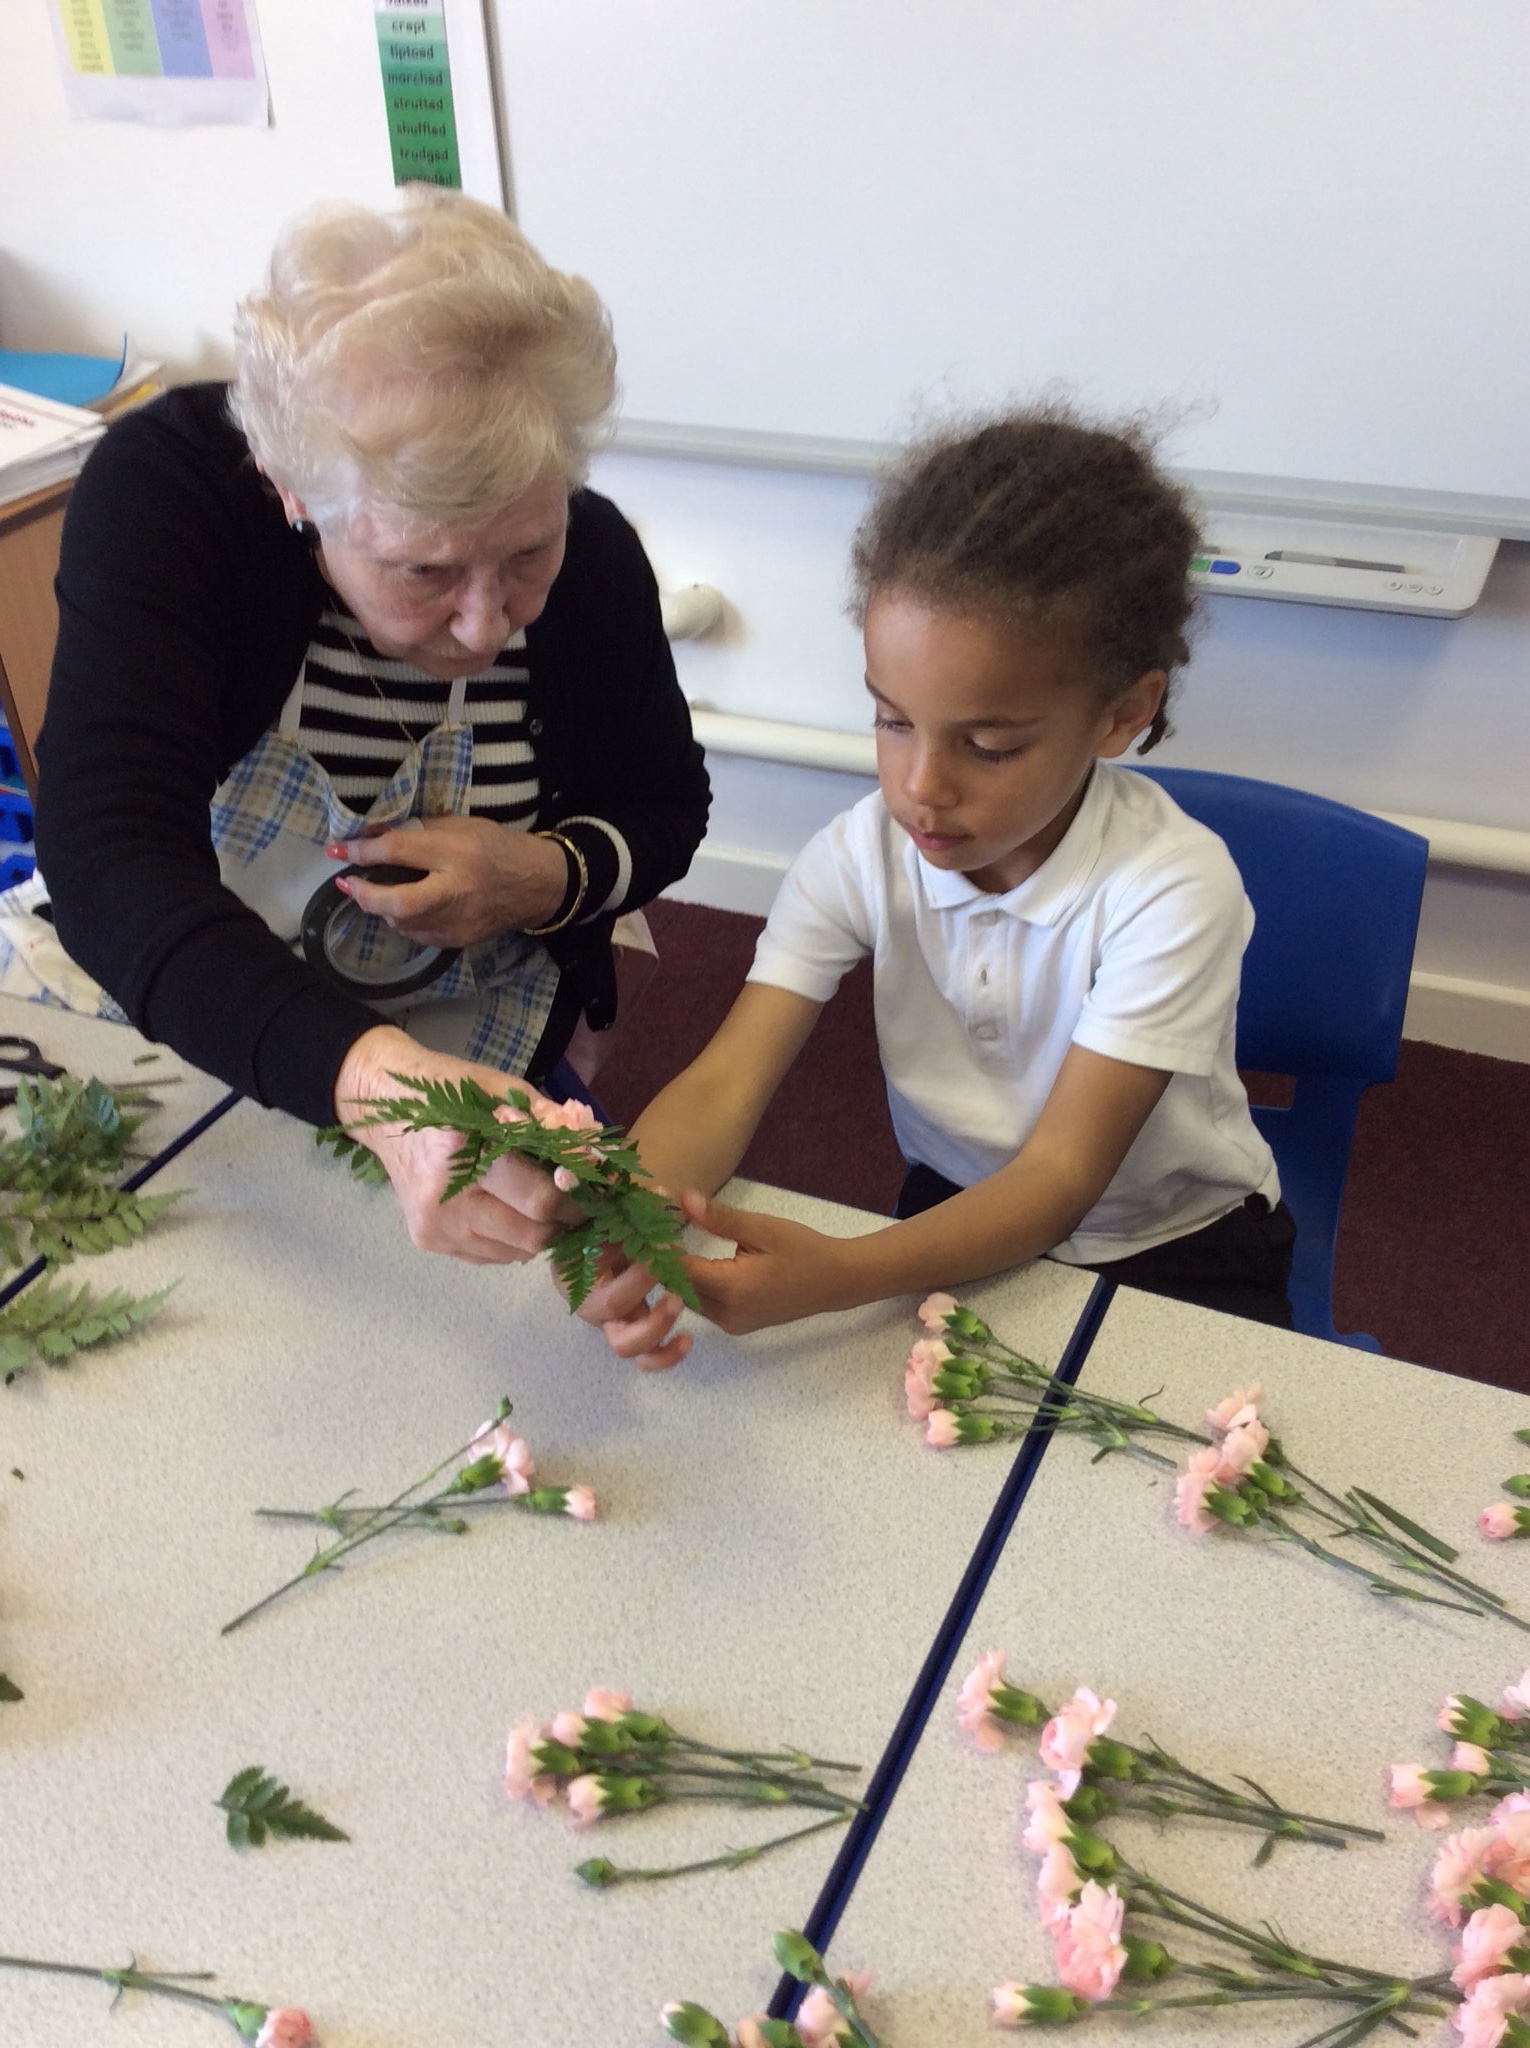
(186, 605)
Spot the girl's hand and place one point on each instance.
(779, 1272)
(618, 1304)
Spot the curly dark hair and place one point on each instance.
(1042, 518)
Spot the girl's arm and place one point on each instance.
(692, 1136)
(781, 1270)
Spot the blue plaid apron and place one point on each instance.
(276, 812)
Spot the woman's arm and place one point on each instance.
(781, 1270)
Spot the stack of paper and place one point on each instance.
(41, 442)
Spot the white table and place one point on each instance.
(90, 1047)
(1235, 1655)
(777, 1550)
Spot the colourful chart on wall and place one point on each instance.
(172, 62)
(417, 87)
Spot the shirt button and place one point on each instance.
(987, 1032)
(986, 917)
(982, 977)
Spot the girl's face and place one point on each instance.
(447, 599)
(986, 734)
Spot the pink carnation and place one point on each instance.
(1500, 1521)
(1512, 1859)
(1048, 1823)
(1409, 1791)
(1486, 1939)
(522, 1780)
(972, 1702)
(924, 1361)
(1066, 1738)
(941, 1430)
(285, 2026)
(1090, 1957)
(1241, 1406)
(602, 1704)
(507, 1113)
(1190, 1490)
(1482, 2019)
(579, 1501)
(567, 1727)
(1516, 1699)
(819, 2020)
(1009, 2006)
(934, 1309)
(566, 1116)
(1463, 1859)
(517, 1468)
(1057, 1885)
(586, 1800)
(1512, 1802)
(1243, 1446)
(1473, 1758)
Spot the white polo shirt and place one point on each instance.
(1128, 940)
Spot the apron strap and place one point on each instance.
(456, 706)
(292, 711)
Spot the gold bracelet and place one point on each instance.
(581, 869)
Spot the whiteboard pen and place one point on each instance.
(1336, 562)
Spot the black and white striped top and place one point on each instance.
(356, 711)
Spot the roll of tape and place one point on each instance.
(319, 938)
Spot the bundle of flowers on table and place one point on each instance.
(1489, 1759)
(829, 2017)
(497, 1471)
(1087, 1892)
(589, 1161)
(268, 2026)
(611, 1759)
(1096, 1775)
(1509, 1518)
(968, 1387)
(1480, 1883)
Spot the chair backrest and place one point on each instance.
(1336, 896)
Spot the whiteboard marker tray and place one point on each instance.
(1369, 568)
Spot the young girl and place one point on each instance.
(1057, 947)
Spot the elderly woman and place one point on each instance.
(363, 729)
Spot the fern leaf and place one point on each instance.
(53, 1321)
(257, 1806)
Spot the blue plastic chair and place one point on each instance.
(1336, 898)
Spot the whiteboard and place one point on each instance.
(1300, 226)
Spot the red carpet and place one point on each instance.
(1432, 1243)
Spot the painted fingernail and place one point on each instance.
(342, 885)
(338, 852)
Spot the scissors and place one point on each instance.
(22, 1056)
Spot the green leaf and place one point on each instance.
(53, 1322)
(1433, 1544)
(257, 1805)
(8, 1692)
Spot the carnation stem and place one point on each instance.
(386, 1517)
(1374, 1580)
(160, 1983)
(733, 1859)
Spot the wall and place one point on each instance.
(108, 226)
(1422, 716)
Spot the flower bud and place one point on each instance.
(1228, 1507)
(483, 1472)
(694, 2025)
(1036, 2005)
(798, 1957)
(1270, 1482)
(1146, 1961)
(246, 2019)
(1009, 1703)
(1108, 1759)
(1088, 1804)
(597, 1872)
(1469, 1720)
(1094, 1854)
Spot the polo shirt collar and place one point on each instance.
(1046, 897)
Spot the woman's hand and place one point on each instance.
(481, 879)
(511, 1214)
(618, 1305)
(779, 1271)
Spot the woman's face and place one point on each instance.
(448, 598)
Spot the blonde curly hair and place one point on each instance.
(423, 360)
